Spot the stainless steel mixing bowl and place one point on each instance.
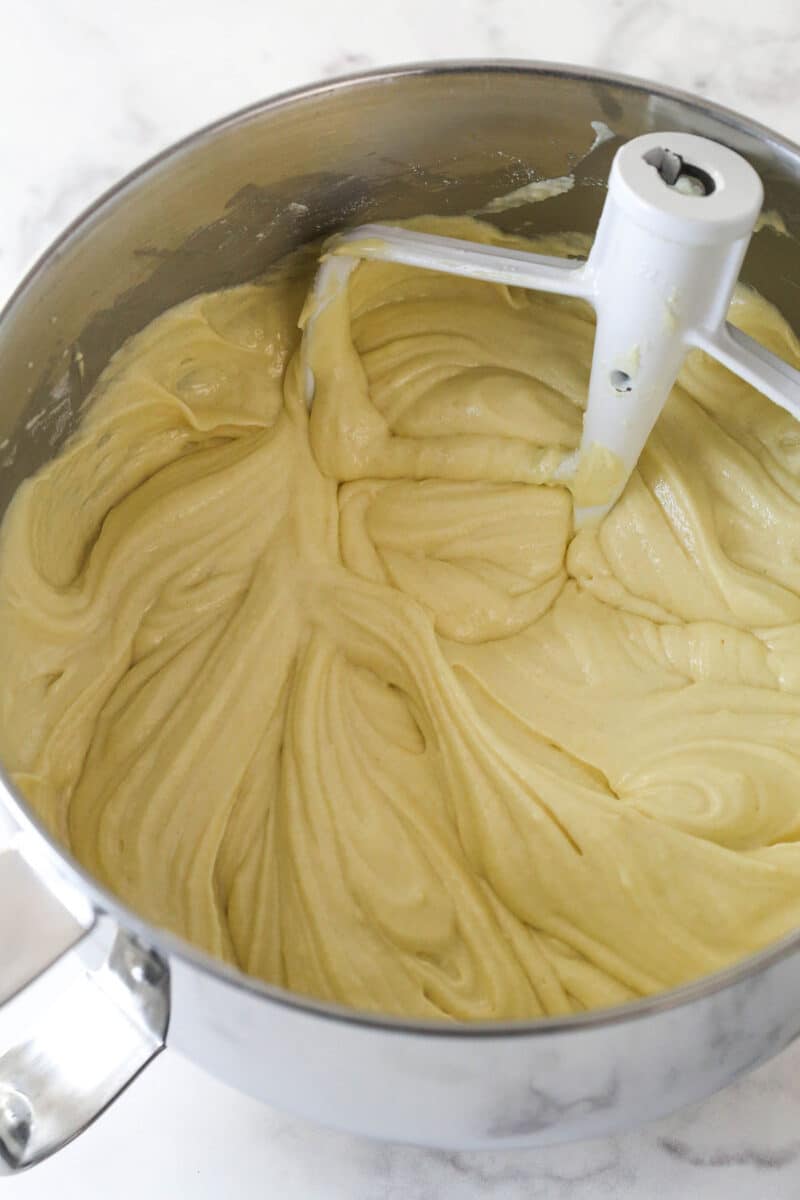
(216, 210)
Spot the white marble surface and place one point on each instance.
(88, 89)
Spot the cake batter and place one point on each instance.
(346, 701)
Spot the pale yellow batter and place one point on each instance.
(345, 702)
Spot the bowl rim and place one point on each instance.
(71, 872)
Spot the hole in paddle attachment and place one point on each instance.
(684, 177)
(620, 381)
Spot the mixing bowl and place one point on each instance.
(91, 992)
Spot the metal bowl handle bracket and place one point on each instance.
(83, 1008)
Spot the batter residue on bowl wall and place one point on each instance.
(344, 699)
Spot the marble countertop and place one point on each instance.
(89, 89)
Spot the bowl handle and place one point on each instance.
(80, 1025)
